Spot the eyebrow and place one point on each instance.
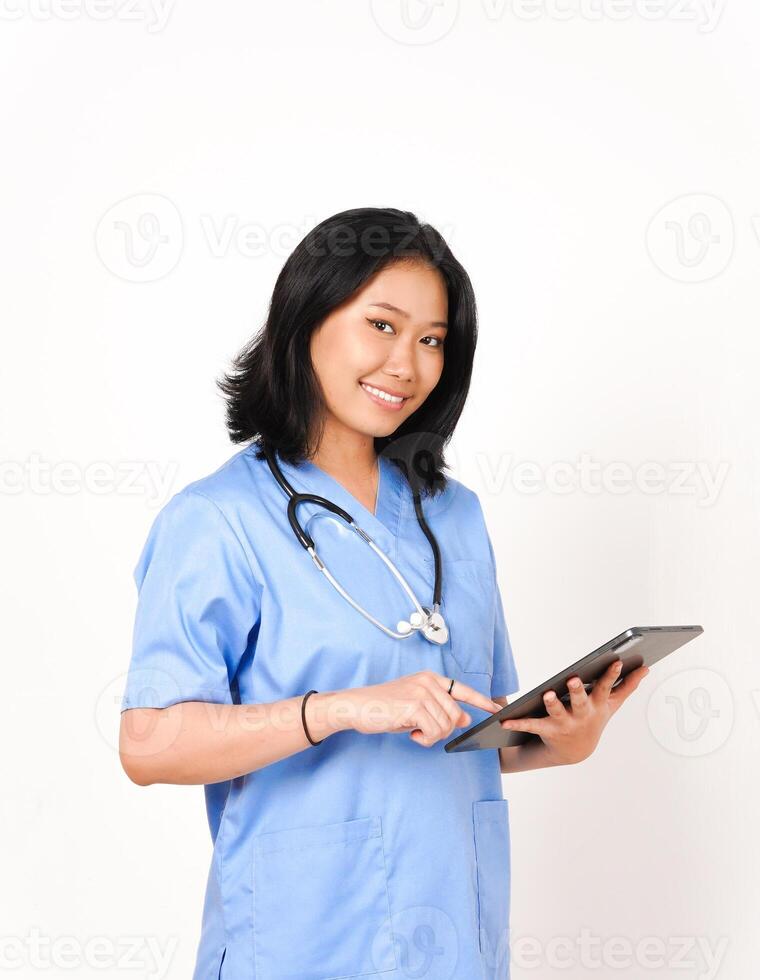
(395, 309)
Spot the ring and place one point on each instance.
(450, 686)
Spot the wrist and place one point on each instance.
(326, 713)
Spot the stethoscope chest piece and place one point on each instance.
(431, 625)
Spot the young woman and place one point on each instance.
(312, 691)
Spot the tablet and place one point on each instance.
(636, 646)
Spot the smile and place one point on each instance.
(383, 398)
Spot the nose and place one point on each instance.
(400, 362)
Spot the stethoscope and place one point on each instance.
(428, 621)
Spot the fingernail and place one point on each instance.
(550, 695)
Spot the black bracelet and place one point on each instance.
(303, 718)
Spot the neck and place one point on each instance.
(346, 451)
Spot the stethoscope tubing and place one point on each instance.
(421, 614)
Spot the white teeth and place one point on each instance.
(394, 399)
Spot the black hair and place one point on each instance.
(272, 393)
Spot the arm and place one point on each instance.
(195, 742)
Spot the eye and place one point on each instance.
(383, 322)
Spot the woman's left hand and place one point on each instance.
(571, 734)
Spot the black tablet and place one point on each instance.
(636, 646)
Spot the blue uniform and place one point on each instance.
(367, 855)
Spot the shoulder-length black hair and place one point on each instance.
(272, 392)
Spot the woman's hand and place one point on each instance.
(571, 734)
(418, 703)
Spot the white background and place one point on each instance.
(595, 170)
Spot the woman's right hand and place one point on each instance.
(418, 703)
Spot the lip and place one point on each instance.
(388, 391)
(383, 404)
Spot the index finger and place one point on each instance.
(463, 692)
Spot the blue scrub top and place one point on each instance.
(367, 855)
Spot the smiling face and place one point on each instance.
(379, 355)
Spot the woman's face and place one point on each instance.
(387, 338)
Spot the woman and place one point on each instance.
(347, 842)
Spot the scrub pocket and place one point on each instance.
(320, 902)
(492, 855)
(469, 608)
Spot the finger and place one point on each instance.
(463, 692)
(554, 706)
(628, 686)
(603, 686)
(578, 696)
(457, 716)
(441, 716)
(537, 726)
(429, 729)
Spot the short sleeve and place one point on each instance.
(198, 603)
(504, 680)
